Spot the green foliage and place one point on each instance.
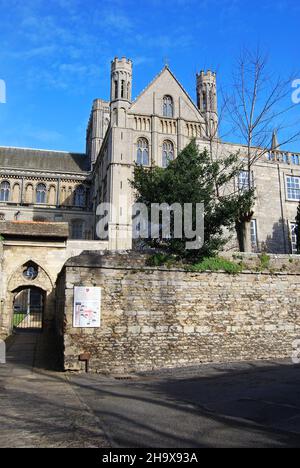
(160, 259)
(264, 261)
(207, 264)
(218, 264)
(18, 318)
(194, 178)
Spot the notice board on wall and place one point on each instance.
(87, 307)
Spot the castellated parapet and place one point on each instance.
(207, 91)
(121, 79)
(117, 64)
(207, 100)
(208, 78)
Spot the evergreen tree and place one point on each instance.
(194, 178)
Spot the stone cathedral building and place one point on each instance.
(42, 190)
(53, 186)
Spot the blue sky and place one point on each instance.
(55, 55)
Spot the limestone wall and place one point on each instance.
(154, 318)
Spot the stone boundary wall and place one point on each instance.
(159, 318)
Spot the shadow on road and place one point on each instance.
(257, 407)
(238, 405)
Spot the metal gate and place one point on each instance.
(28, 309)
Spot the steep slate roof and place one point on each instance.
(43, 160)
(34, 229)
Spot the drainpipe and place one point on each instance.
(282, 210)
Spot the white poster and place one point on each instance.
(87, 307)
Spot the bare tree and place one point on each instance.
(216, 133)
(260, 102)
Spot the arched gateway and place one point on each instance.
(28, 308)
(30, 288)
(32, 255)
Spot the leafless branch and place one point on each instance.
(258, 101)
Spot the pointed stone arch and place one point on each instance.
(42, 281)
(18, 281)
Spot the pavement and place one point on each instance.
(227, 405)
(38, 407)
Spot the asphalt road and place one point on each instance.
(240, 405)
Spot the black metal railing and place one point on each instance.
(31, 320)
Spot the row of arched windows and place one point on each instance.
(144, 123)
(125, 90)
(143, 158)
(41, 193)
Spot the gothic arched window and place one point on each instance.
(79, 196)
(41, 191)
(29, 194)
(212, 100)
(122, 88)
(77, 229)
(115, 117)
(204, 101)
(167, 153)
(4, 191)
(168, 107)
(142, 152)
(16, 193)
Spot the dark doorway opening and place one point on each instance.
(28, 308)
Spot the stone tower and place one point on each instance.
(207, 100)
(121, 90)
(97, 127)
(120, 155)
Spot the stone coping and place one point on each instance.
(280, 265)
